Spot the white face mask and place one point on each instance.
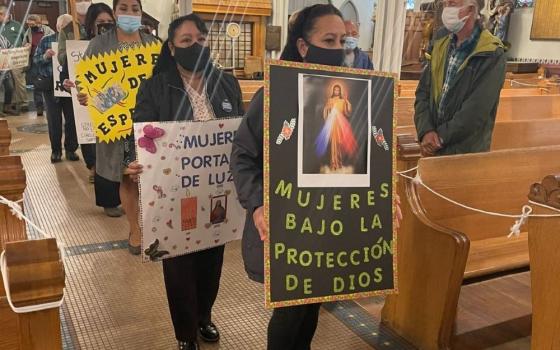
(451, 20)
(82, 7)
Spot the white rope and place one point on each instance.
(24, 309)
(17, 211)
(527, 211)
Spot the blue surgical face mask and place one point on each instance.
(129, 24)
(351, 43)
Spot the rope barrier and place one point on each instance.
(522, 218)
(17, 211)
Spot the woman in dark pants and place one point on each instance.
(316, 35)
(98, 18)
(178, 91)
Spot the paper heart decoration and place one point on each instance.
(152, 203)
(221, 125)
(169, 224)
(208, 225)
(166, 171)
(216, 241)
(198, 242)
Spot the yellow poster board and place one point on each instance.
(111, 82)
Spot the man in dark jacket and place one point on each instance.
(459, 91)
(354, 56)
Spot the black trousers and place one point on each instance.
(88, 152)
(293, 327)
(106, 192)
(54, 120)
(192, 282)
(8, 86)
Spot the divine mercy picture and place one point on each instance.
(333, 132)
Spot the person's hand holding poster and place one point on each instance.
(188, 200)
(111, 83)
(329, 165)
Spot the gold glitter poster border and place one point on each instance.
(266, 181)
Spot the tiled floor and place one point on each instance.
(113, 301)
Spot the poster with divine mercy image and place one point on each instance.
(188, 200)
(329, 160)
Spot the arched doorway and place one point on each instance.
(349, 12)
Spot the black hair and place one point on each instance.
(166, 60)
(92, 13)
(116, 2)
(302, 26)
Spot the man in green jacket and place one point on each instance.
(459, 91)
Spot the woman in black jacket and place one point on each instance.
(186, 86)
(316, 35)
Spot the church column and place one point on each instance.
(390, 20)
(280, 18)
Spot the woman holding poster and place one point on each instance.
(180, 90)
(316, 35)
(113, 157)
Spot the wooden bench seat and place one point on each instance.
(496, 254)
(510, 108)
(441, 245)
(248, 90)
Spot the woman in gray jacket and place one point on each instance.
(113, 158)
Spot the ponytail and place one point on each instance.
(300, 27)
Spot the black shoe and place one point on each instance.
(209, 333)
(190, 345)
(40, 112)
(72, 156)
(56, 157)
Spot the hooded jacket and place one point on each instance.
(472, 101)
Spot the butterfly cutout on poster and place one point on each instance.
(287, 131)
(147, 141)
(380, 138)
(153, 252)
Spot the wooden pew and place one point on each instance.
(441, 244)
(523, 91)
(36, 276)
(544, 245)
(5, 138)
(35, 271)
(248, 89)
(506, 135)
(510, 108)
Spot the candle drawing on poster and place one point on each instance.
(328, 183)
(59, 90)
(188, 200)
(84, 127)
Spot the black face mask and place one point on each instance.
(328, 57)
(35, 29)
(194, 58)
(104, 27)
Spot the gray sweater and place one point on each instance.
(110, 156)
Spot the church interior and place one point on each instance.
(463, 283)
